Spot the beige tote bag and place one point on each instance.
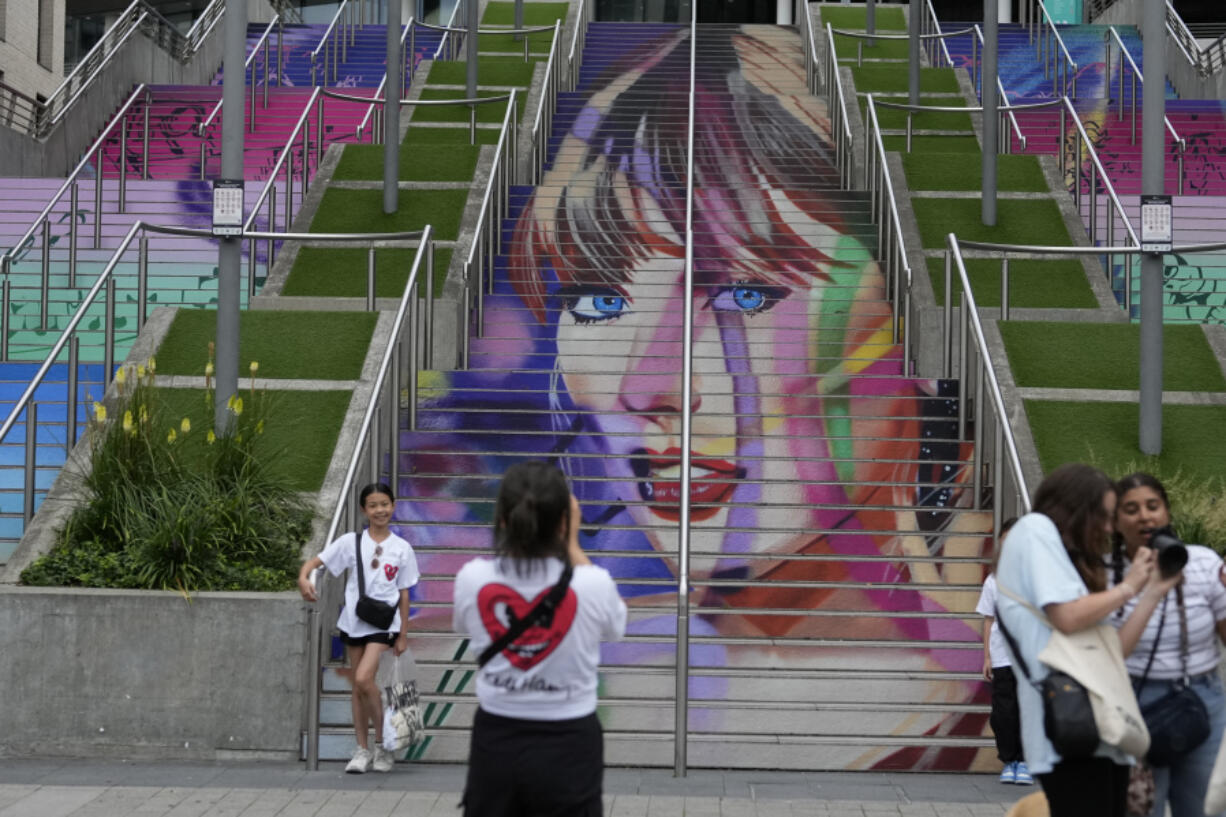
(1095, 658)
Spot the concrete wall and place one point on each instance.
(142, 674)
(141, 60)
(19, 47)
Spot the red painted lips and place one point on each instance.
(711, 482)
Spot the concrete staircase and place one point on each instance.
(835, 560)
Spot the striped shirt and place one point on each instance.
(1205, 601)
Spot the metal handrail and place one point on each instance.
(1060, 83)
(1184, 38)
(577, 41)
(471, 103)
(328, 38)
(1003, 96)
(547, 105)
(42, 221)
(890, 236)
(444, 47)
(973, 340)
(933, 24)
(18, 111)
(260, 45)
(384, 407)
(486, 236)
(204, 25)
(1181, 144)
(269, 193)
(459, 30)
(406, 75)
(840, 121)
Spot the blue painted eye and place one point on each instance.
(598, 307)
(743, 298)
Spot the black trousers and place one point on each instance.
(1090, 787)
(1006, 719)
(521, 768)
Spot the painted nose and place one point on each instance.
(654, 385)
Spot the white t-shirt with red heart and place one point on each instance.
(549, 672)
(396, 571)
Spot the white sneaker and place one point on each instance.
(361, 762)
(384, 760)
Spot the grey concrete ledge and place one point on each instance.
(976, 194)
(373, 184)
(1170, 398)
(181, 381)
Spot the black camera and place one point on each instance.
(1172, 553)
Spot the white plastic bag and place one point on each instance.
(402, 720)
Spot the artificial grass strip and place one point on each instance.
(936, 171)
(535, 14)
(300, 428)
(454, 163)
(1106, 435)
(341, 272)
(1106, 356)
(893, 78)
(491, 71)
(854, 18)
(288, 344)
(539, 42)
(431, 138)
(489, 112)
(896, 118)
(848, 48)
(1035, 284)
(361, 211)
(1018, 221)
(934, 144)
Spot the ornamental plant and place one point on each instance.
(169, 507)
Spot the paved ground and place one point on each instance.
(87, 788)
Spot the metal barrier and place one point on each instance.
(377, 443)
(377, 128)
(938, 52)
(578, 39)
(106, 283)
(1006, 112)
(836, 103)
(547, 108)
(487, 232)
(261, 45)
(406, 79)
(1053, 53)
(71, 186)
(1181, 145)
(891, 240)
(1208, 60)
(334, 44)
(446, 49)
(937, 37)
(460, 33)
(18, 111)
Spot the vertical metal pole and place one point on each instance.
(391, 111)
(370, 279)
(979, 438)
(1004, 288)
(74, 361)
(229, 253)
(74, 206)
(204, 146)
(414, 308)
(6, 295)
(393, 426)
(914, 17)
(43, 296)
(280, 49)
(470, 43)
(123, 165)
(142, 282)
(289, 189)
(991, 36)
(267, 59)
(108, 340)
(428, 328)
(306, 155)
(1153, 107)
(319, 131)
(144, 139)
(98, 205)
(947, 328)
(31, 460)
(870, 19)
(270, 256)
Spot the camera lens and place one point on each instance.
(1172, 554)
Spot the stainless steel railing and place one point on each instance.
(406, 79)
(578, 39)
(334, 44)
(891, 240)
(1208, 60)
(547, 107)
(487, 232)
(1003, 98)
(925, 38)
(1000, 467)
(938, 51)
(376, 453)
(41, 225)
(105, 287)
(1181, 145)
(1058, 64)
(262, 46)
(460, 33)
(377, 127)
(446, 49)
(18, 111)
(836, 103)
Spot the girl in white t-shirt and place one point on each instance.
(389, 569)
(998, 671)
(537, 745)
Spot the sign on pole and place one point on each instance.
(1156, 223)
(227, 207)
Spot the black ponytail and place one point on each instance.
(532, 514)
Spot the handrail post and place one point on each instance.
(43, 298)
(31, 449)
(314, 679)
(413, 365)
(251, 91)
(428, 328)
(144, 146)
(272, 227)
(370, 279)
(142, 281)
(947, 327)
(204, 146)
(1004, 288)
(319, 131)
(123, 165)
(108, 342)
(6, 299)
(74, 201)
(98, 204)
(74, 361)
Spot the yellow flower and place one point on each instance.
(171, 436)
(208, 369)
(255, 366)
(259, 427)
(121, 376)
(127, 421)
(99, 412)
(140, 372)
(144, 414)
(185, 426)
(211, 437)
(151, 365)
(236, 405)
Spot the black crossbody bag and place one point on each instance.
(541, 614)
(378, 614)
(1178, 722)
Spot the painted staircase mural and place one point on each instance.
(835, 559)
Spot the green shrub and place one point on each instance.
(1198, 505)
(172, 508)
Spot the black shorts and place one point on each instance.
(374, 638)
(520, 768)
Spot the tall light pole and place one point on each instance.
(991, 117)
(391, 111)
(914, 15)
(1153, 103)
(229, 250)
(470, 52)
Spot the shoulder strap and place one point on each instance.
(543, 609)
(1183, 630)
(357, 558)
(1017, 653)
(1157, 638)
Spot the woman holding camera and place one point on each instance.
(1053, 561)
(1178, 640)
(537, 746)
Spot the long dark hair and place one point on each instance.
(1138, 479)
(1072, 497)
(532, 515)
